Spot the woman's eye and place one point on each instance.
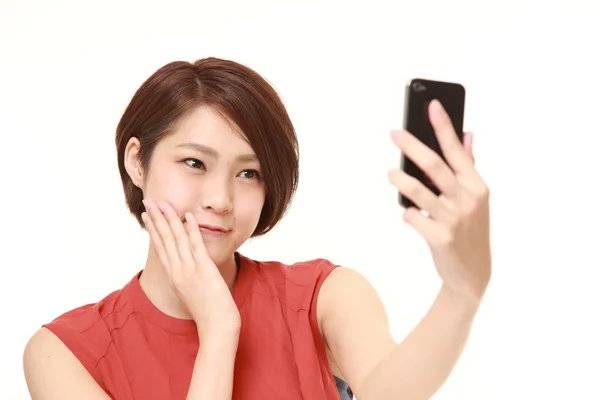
(192, 162)
(250, 174)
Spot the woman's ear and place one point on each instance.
(133, 164)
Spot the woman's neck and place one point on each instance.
(155, 284)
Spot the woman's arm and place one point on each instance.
(212, 378)
(456, 226)
(52, 371)
(354, 324)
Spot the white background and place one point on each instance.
(531, 69)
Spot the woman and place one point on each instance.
(208, 158)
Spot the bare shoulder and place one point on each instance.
(52, 371)
(354, 324)
(346, 286)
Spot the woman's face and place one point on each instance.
(206, 167)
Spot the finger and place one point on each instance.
(179, 234)
(164, 234)
(156, 241)
(428, 161)
(199, 251)
(468, 144)
(420, 195)
(452, 148)
(436, 236)
(425, 226)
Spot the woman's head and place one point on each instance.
(211, 138)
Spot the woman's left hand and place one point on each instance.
(458, 222)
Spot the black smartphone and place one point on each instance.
(419, 93)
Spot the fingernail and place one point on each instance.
(144, 217)
(468, 138)
(436, 106)
(145, 202)
(395, 134)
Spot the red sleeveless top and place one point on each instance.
(135, 351)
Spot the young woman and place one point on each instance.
(208, 158)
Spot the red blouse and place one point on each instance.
(135, 351)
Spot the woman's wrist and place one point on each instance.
(221, 336)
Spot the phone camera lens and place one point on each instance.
(418, 87)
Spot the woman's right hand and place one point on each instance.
(192, 274)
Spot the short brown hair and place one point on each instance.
(232, 89)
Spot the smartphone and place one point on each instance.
(419, 93)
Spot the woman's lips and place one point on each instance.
(213, 230)
(210, 229)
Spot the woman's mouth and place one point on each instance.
(213, 230)
(210, 229)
